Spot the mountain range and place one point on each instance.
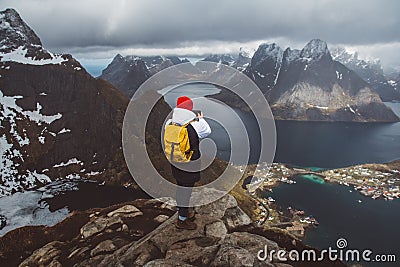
(307, 84)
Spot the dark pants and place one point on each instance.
(183, 198)
(187, 180)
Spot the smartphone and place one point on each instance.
(197, 112)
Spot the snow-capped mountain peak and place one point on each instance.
(246, 52)
(340, 54)
(14, 32)
(370, 70)
(315, 49)
(19, 43)
(265, 50)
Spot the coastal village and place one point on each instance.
(371, 180)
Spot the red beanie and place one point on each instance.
(184, 102)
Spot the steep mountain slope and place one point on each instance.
(308, 84)
(55, 117)
(240, 62)
(16, 36)
(370, 71)
(244, 58)
(225, 59)
(396, 83)
(129, 72)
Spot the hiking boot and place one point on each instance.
(191, 215)
(186, 224)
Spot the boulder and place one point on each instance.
(125, 211)
(233, 256)
(98, 225)
(131, 255)
(161, 218)
(78, 252)
(171, 235)
(251, 242)
(45, 256)
(106, 246)
(216, 229)
(235, 218)
(216, 209)
(199, 251)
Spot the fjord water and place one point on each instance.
(319, 144)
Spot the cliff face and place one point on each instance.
(55, 120)
(129, 72)
(370, 71)
(55, 117)
(126, 73)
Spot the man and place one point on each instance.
(197, 128)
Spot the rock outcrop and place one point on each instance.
(114, 238)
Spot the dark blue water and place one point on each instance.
(339, 144)
(371, 224)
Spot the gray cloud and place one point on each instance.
(166, 24)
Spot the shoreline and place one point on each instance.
(369, 180)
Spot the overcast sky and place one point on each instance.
(96, 29)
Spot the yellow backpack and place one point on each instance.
(176, 143)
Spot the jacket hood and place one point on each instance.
(182, 116)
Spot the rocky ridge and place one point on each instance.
(225, 237)
(129, 72)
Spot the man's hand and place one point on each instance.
(200, 115)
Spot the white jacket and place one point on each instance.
(182, 116)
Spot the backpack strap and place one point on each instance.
(183, 125)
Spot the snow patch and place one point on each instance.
(28, 208)
(22, 209)
(19, 55)
(351, 110)
(260, 74)
(38, 117)
(69, 162)
(10, 106)
(320, 107)
(64, 130)
(92, 173)
(42, 139)
(339, 75)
